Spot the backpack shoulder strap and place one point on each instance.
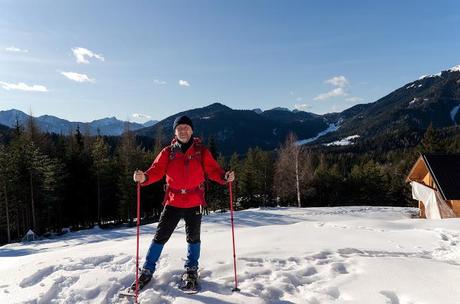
(173, 149)
(200, 148)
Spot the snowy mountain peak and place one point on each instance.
(452, 69)
(455, 68)
(429, 76)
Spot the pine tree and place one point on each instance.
(247, 180)
(432, 141)
(159, 140)
(214, 192)
(5, 176)
(369, 183)
(100, 155)
(328, 183)
(265, 179)
(306, 174)
(80, 209)
(130, 157)
(34, 184)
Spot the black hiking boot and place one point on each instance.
(189, 282)
(144, 279)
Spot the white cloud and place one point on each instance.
(15, 50)
(184, 83)
(334, 93)
(159, 82)
(77, 77)
(302, 107)
(141, 116)
(21, 86)
(81, 54)
(354, 99)
(338, 81)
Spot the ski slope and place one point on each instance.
(284, 255)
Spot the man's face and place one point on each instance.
(183, 132)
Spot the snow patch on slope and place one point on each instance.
(331, 128)
(349, 140)
(414, 100)
(454, 112)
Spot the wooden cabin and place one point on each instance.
(441, 173)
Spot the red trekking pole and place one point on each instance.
(137, 240)
(233, 236)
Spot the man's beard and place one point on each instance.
(184, 140)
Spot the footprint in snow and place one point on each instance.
(391, 296)
(36, 277)
(294, 276)
(97, 260)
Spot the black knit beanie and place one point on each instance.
(182, 120)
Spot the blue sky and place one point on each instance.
(139, 60)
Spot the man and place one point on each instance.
(185, 163)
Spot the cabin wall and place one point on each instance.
(428, 180)
(455, 205)
(421, 207)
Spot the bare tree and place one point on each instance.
(288, 171)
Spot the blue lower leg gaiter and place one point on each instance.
(152, 256)
(193, 254)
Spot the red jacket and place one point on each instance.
(185, 173)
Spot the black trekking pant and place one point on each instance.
(170, 217)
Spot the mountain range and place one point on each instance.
(431, 99)
(53, 124)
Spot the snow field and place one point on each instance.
(284, 255)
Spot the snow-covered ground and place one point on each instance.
(285, 255)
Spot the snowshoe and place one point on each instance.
(189, 281)
(144, 279)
